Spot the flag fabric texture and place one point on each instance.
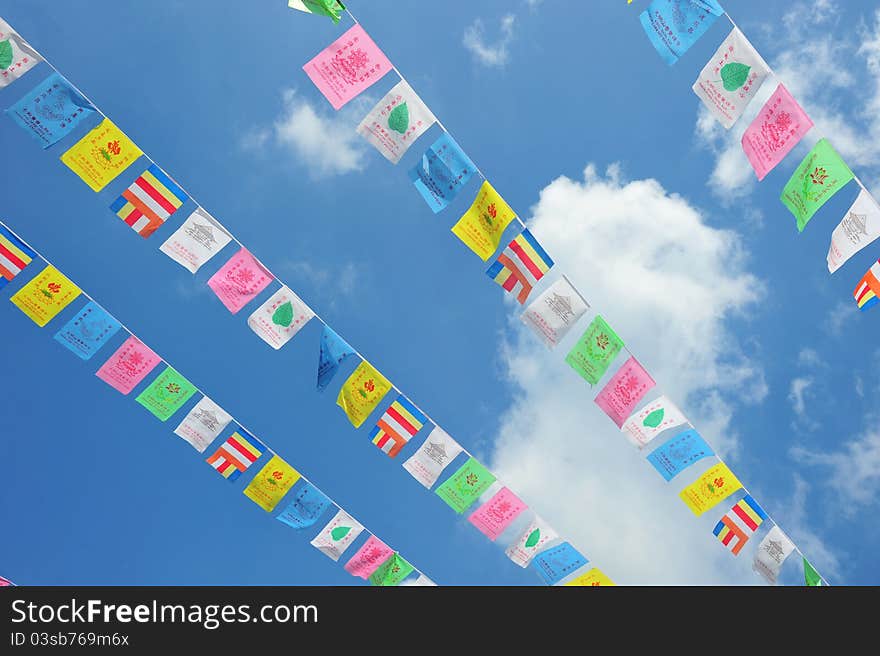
(868, 289)
(623, 392)
(557, 562)
(337, 535)
(821, 174)
(280, 318)
(673, 26)
(51, 110)
(331, 8)
(481, 227)
(15, 255)
(397, 426)
(711, 488)
(656, 417)
(594, 578)
(149, 201)
(307, 504)
(812, 578)
(595, 351)
(554, 312)
(859, 227)
(236, 454)
(368, 558)
(520, 266)
(435, 454)
(101, 155)
(44, 296)
(128, 366)
(771, 554)
(461, 490)
(239, 281)
(679, 453)
(735, 528)
(333, 351)
(88, 331)
(442, 173)
(394, 124)
(272, 482)
(499, 512)
(777, 128)
(391, 572)
(17, 56)
(530, 542)
(362, 392)
(203, 424)
(196, 241)
(166, 394)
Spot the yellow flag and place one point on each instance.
(595, 577)
(483, 224)
(710, 489)
(271, 484)
(362, 392)
(101, 155)
(46, 295)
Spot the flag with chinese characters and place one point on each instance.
(859, 227)
(435, 454)
(679, 453)
(555, 311)
(101, 155)
(149, 201)
(15, 255)
(771, 553)
(594, 578)
(868, 289)
(461, 490)
(653, 419)
(88, 330)
(272, 482)
(307, 504)
(397, 426)
(362, 392)
(166, 394)
(16, 55)
(623, 392)
(236, 454)
(710, 489)
(239, 281)
(281, 317)
(530, 542)
(368, 558)
(45, 296)
(396, 122)
(821, 174)
(481, 227)
(499, 512)
(595, 351)
(520, 266)
(673, 26)
(337, 535)
(777, 128)
(333, 351)
(812, 578)
(331, 8)
(195, 242)
(51, 110)
(557, 562)
(442, 173)
(203, 424)
(128, 366)
(391, 572)
(735, 528)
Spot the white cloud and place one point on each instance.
(840, 317)
(330, 284)
(800, 520)
(494, 54)
(799, 398)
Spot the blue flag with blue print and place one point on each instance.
(88, 331)
(442, 173)
(679, 453)
(51, 110)
(334, 350)
(555, 563)
(306, 506)
(673, 26)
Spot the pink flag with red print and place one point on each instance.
(128, 366)
(239, 281)
(497, 513)
(777, 128)
(368, 558)
(624, 391)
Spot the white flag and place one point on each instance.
(772, 552)
(422, 582)
(437, 451)
(16, 55)
(396, 122)
(859, 227)
(203, 424)
(731, 78)
(532, 541)
(195, 242)
(338, 535)
(280, 318)
(554, 312)
(653, 419)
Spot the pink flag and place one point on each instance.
(624, 391)
(347, 66)
(777, 128)
(497, 513)
(128, 366)
(368, 558)
(239, 281)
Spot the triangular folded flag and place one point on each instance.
(520, 266)
(334, 350)
(811, 577)
(867, 291)
(330, 8)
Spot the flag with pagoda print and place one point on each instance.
(737, 526)
(520, 266)
(236, 454)
(400, 423)
(149, 201)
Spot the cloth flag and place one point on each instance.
(772, 552)
(821, 174)
(461, 490)
(101, 155)
(51, 110)
(442, 173)
(362, 392)
(423, 582)
(166, 394)
(730, 80)
(653, 419)
(331, 8)
(868, 289)
(530, 542)
(391, 572)
(679, 453)
(334, 350)
(396, 122)
(6, 583)
(735, 528)
(400, 423)
(270, 485)
(557, 562)
(348, 66)
(435, 454)
(812, 578)
(195, 242)
(859, 227)
(280, 318)
(15, 255)
(553, 313)
(16, 55)
(520, 266)
(337, 535)
(368, 558)
(595, 578)
(239, 281)
(128, 366)
(236, 454)
(88, 331)
(43, 297)
(149, 201)
(623, 392)
(595, 351)
(306, 506)
(710, 489)
(499, 512)
(673, 26)
(203, 424)
(481, 227)
(777, 128)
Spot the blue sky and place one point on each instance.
(603, 150)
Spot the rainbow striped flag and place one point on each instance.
(236, 454)
(401, 421)
(149, 201)
(14, 256)
(522, 264)
(736, 526)
(868, 289)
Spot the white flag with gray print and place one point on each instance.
(772, 552)
(553, 313)
(195, 242)
(859, 227)
(396, 122)
(435, 454)
(531, 542)
(203, 424)
(338, 535)
(16, 55)
(653, 419)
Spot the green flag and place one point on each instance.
(465, 486)
(820, 175)
(391, 572)
(811, 576)
(166, 394)
(331, 8)
(595, 351)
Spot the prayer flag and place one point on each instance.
(334, 350)
(330, 8)
(149, 201)
(423, 582)
(166, 394)
(859, 227)
(400, 423)
(554, 312)
(51, 110)
(679, 453)
(15, 255)
(236, 454)
(88, 331)
(481, 227)
(281, 317)
(812, 578)
(101, 155)
(368, 558)
(710, 489)
(777, 128)
(128, 366)
(435, 454)
(442, 173)
(520, 266)
(530, 542)
(396, 122)
(6, 583)
(868, 289)
(735, 528)
(195, 242)
(673, 26)
(595, 351)
(337, 535)
(594, 578)
(44, 296)
(499, 512)
(624, 391)
(203, 424)
(239, 281)
(464, 487)
(391, 572)
(17, 56)
(306, 506)
(821, 174)
(362, 392)
(557, 562)
(653, 419)
(272, 482)
(772, 552)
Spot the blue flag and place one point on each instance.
(442, 173)
(88, 331)
(557, 562)
(306, 506)
(51, 110)
(679, 453)
(334, 350)
(673, 26)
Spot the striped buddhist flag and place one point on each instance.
(736, 526)
(236, 454)
(401, 421)
(149, 201)
(868, 288)
(522, 264)
(14, 256)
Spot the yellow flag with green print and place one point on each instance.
(271, 484)
(362, 392)
(45, 296)
(710, 489)
(483, 224)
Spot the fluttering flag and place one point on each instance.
(461, 490)
(240, 281)
(673, 26)
(595, 351)
(236, 454)
(149, 201)
(331, 8)
(867, 291)
(679, 453)
(397, 426)
(711, 488)
(43, 297)
(203, 424)
(15, 255)
(337, 535)
(499, 512)
(6, 583)
(166, 394)
(307, 504)
(88, 331)
(334, 350)
(128, 366)
(624, 390)
(16, 55)
(812, 578)
(859, 227)
(272, 482)
(348, 66)
(362, 392)
(594, 578)
(393, 125)
(101, 155)
(391, 572)
(771, 553)
(821, 174)
(520, 266)
(435, 454)
(368, 558)
(735, 528)
(281, 317)
(481, 227)
(195, 242)
(730, 80)
(442, 173)
(530, 542)
(653, 419)
(51, 110)
(557, 562)
(554, 312)
(777, 128)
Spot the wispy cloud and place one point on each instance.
(333, 285)
(492, 53)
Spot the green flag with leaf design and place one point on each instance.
(821, 174)
(330, 8)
